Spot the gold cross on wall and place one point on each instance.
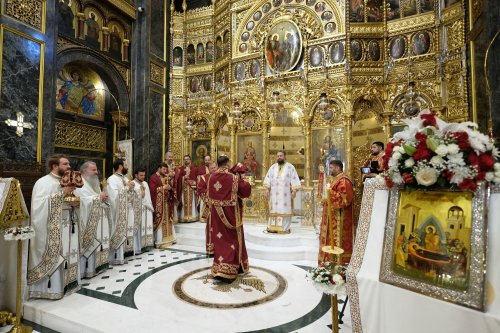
(19, 123)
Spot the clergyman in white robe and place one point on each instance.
(144, 237)
(122, 201)
(53, 268)
(95, 217)
(281, 180)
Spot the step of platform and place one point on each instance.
(300, 244)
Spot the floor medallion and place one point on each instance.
(258, 286)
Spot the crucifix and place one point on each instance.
(19, 123)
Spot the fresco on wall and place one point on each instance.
(375, 10)
(283, 46)
(65, 18)
(177, 57)
(357, 13)
(76, 91)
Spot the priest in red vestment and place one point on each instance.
(224, 193)
(202, 171)
(164, 203)
(204, 209)
(337, 220)
(185, 187)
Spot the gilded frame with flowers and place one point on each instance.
(435, 244)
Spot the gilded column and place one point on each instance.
(213, 144)
(265, 147)
(308, 151)
(126, 46)
(387, 124)
(232, 130)
(81, 25)
(348, 141)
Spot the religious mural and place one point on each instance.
(78, 92)
(190, 55)
(93, 24)
(199, 148)
(250, 153)
(357, 13)
(115, 41)
(66, 18)
(283, 46)
(210, 52)
(356, 50)
(316, 56)
(397, 47)
(337, 52)
(200, 54)
(421, 42)
(375, 10)
(177, 57)
(329, 145)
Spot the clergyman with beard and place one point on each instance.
(94, 220)
(46, 269)
(122, 199)
(282, 183)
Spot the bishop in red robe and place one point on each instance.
(225, 191)
(337, 219)
(185, 187)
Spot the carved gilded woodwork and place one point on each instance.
(156, 73)
(79, 136)
(30, 12)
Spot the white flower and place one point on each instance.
(461, 172)
(497, 166)
(497, 173)
(409, 163)
(452, 149)
(396, 156)
(399, 149)
(426, 176)
(496, 180)
(442, 150)
(396, 178)
(437, 161)
(489, 176)
(496, 154)
(456, 159)
(392, 162)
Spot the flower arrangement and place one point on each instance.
(433, 153)
(328, 278)
(19, 233)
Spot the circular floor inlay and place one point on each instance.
(259, 286)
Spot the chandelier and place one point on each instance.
(410, 105)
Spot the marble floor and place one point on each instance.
(171, 289)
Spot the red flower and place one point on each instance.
(462, 139)
(448, 174)
(407, 178)
(468, 184)
(389, 148)
(388, 182)
(421, 137)
(480, 175)
(486, 162)
(429, 119)
(422, 153)
(473, 158)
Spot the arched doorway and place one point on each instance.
(88, 88)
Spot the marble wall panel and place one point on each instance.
(20, 68)
(155, 129)
(157, 42)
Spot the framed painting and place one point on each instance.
(330, 143)
(283, 46)
(249, 153)
(435, 244)
(199, 149)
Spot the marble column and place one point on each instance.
(81, 25)
(105, 39)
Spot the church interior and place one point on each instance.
(156, 82)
